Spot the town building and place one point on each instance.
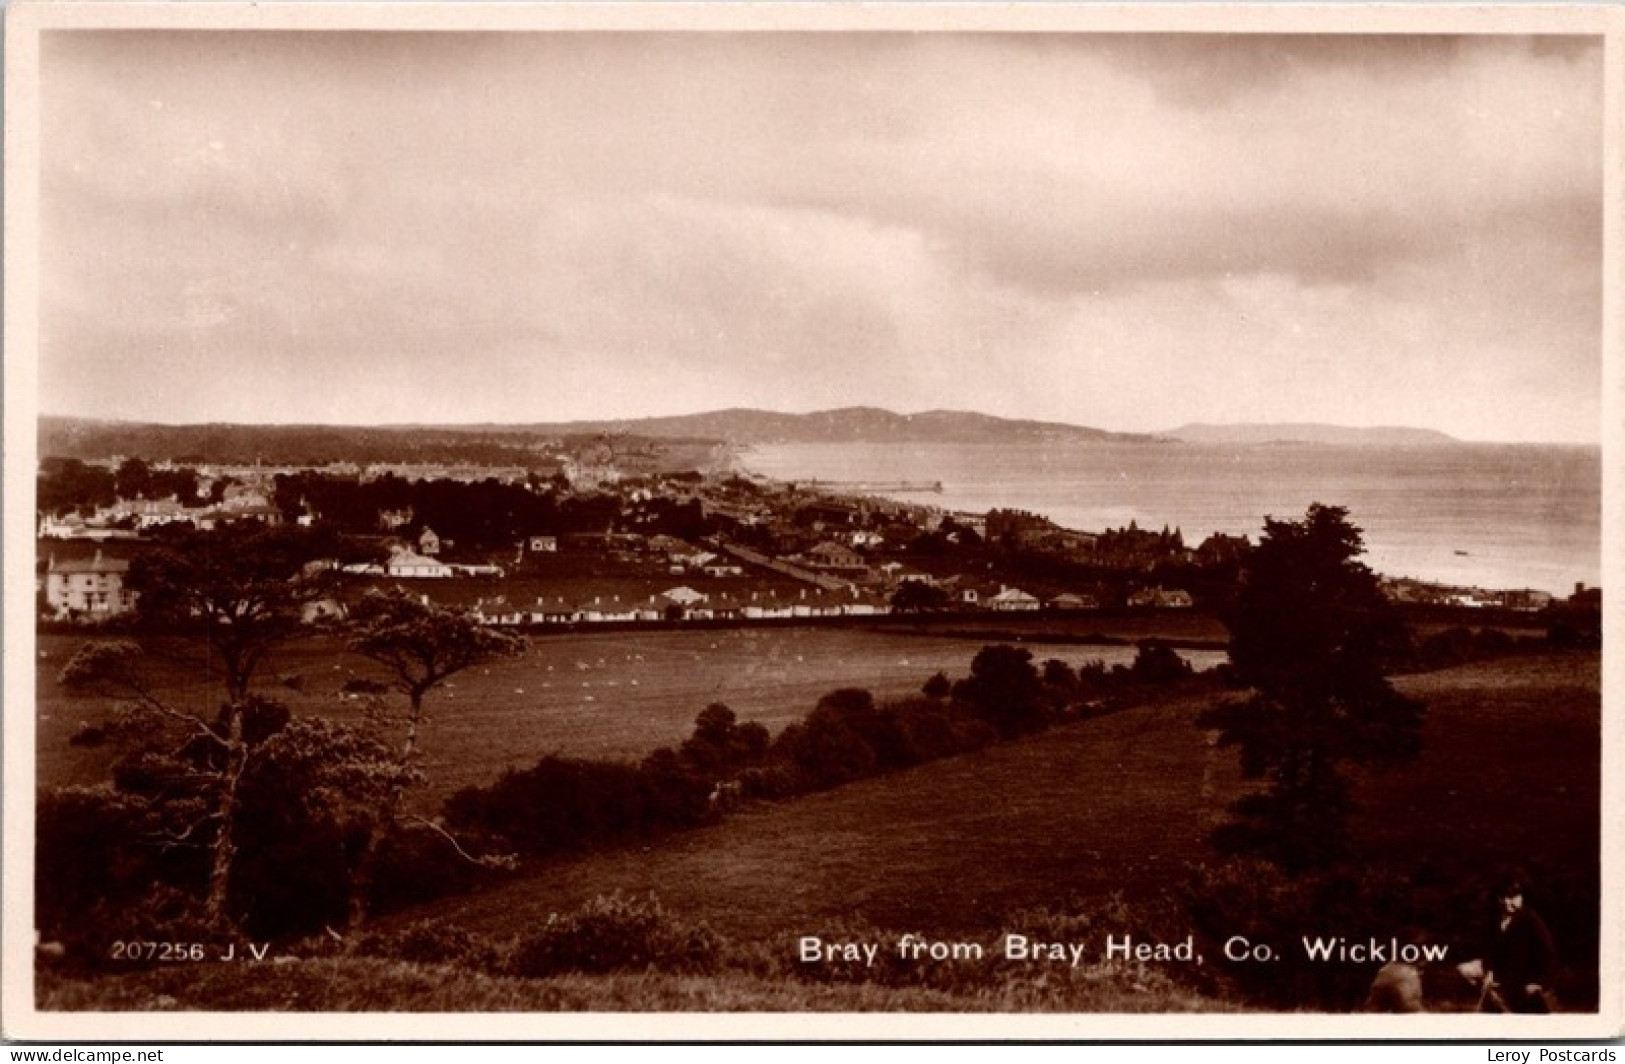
(409, 565)
(1011, 599)
(88, 589)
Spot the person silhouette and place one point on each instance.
(1521, 958)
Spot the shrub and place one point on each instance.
(721, 746)
(557, 804)
(432, 942)
(130, 933)
(305, 808)
(926, 729)
(674, 791)
(854, 708)
(1004, 689)
(1158, 663)
(617, 933)
(780, 779)
(102, 867)
(417, 864)
(826, 750)
(937, 687)
(972, 735)
(1453, 646)
(563, 803)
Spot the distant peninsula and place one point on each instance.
(1308, 432)
(89, 438)
(855, 424)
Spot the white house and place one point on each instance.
(409, 565)
(89, 589)
(1011, 598)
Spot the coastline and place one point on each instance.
(1467, 515)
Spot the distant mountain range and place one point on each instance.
(85, 438)
(1307, 432)
(848, 425)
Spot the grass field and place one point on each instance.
(615, 695)
(1120, 804)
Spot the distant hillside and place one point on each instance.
(848, 425)
(1305, 432)
(292, 444)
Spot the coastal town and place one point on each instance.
(631, 531)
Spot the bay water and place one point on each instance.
(1470, 515)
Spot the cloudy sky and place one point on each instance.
(1128, 232)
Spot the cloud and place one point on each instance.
(552, 225)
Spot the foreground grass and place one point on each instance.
(368, 985)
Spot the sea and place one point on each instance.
(1498, 516)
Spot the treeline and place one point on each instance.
(295, 445)
(319, 445)
(68, 485)
(477, 515)
(1461, 645)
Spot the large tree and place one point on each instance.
(223, 598)
(239, 591)
(422, 645)
(1310, 637)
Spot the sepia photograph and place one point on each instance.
(811, 521)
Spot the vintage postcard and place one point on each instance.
(811, 521)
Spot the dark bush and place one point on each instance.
(617, 933)
(938, 686)
(926, 728)
(826, 750)
(675, 793)
(90, 735)
(432, 942)
(721, 747)
(972, 735)
(90, 855)
(1494, 643)
(417, 864)
(1158, 663)
(566, 803)
(854, 708)
(306, 806)
(559, 803)
(1451, 647)
(778, 779)
(1004, 690)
